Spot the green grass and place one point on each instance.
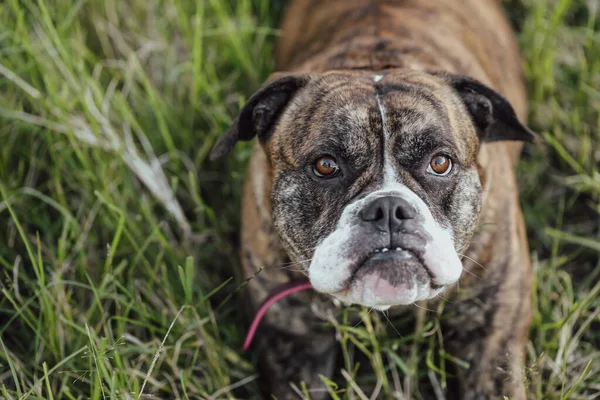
(116, 231)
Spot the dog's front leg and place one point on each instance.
(495, 357)
(288, 361)
(293, 349)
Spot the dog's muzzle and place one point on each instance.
(386, 250)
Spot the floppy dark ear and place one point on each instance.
(260, 112)
(492, 114)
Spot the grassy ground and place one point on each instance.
(118, 237)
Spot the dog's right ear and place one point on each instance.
(260, 113)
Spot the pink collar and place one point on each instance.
(278, 294)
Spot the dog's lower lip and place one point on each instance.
(381, 253)
(386, 252)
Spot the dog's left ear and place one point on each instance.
(492, 114)
(261, 112)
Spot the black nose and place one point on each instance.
(387, 213)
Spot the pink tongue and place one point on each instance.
(278, 294)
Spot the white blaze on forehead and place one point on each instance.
(389, 173)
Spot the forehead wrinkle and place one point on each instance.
(452, 109)
(343, 115)
(300, 117)
(426, 90)
(414, 119)
(424, 98)
(423, 115)
(352, 140)
(354, 134)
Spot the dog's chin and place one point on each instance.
(388, 278)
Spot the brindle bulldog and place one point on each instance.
(384, 167)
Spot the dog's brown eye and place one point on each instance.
(326, 166)
(440, 165)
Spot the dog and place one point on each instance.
(384, 168)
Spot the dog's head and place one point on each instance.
(374, 178)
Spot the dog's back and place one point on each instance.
(470, 37)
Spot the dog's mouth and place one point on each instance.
(389, 276)
(383, 256)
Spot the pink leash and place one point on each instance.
(298, 287)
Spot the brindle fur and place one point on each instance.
(359, 38)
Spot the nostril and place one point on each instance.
(379, 214)
(399, 214)
(404, 211)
